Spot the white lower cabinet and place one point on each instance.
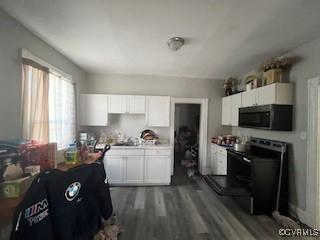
(221, 164)
(134, 169)
(218, 160)
(157, 169)
(114, 167)
(124, 169)
(138, 166)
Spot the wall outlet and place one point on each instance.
(303, 135)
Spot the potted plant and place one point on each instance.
(273, 68)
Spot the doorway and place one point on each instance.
(186, 140)
(189, 117)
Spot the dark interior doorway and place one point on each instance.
(186, 146)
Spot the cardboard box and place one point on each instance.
(15, 188)
(273, 76)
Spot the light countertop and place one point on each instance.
(157, 146)
(223, 145)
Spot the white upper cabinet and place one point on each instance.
(230, 109)
(136, 104)
(277, 93)
(127, 104)
(249, 98)
(226, 111)
(157, 111)
(93, 110)
(266, 95)
(236, 103)
(117, 103)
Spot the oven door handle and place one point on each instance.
(246, 160)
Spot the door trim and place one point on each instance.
(313, 154)
(203, 131)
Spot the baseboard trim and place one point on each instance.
(303, 216)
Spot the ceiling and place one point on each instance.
(223, 37)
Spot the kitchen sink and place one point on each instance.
(124, 144)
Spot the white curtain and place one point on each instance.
(62, 115)
(34, 105)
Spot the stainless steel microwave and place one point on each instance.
(269, 117)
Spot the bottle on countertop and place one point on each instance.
(71, 154)
(84, 151)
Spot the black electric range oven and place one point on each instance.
(258, 178)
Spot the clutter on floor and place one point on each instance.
(285, 221)
(187, 147)
(190, 160)
(110, 230)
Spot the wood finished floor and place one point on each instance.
(186, 210)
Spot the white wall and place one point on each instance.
(130, 125)
(13, 37)
(306, 68)
(169, 86)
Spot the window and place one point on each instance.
(62, 115)
(48, 105)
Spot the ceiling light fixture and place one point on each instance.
(175, 43)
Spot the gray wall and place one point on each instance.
(170, 86)
(13, 37)
(306, 68)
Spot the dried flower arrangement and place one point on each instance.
(275, 63)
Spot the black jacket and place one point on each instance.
(64, 205)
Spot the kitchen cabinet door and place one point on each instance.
(158, 111)
(249, 98)
(277, 93)
(82, 109)
(117, 104)
(93, 110)
(266, 95)
(226, 111)
(134, 169)
(114, 167)
(213, 160)
(157, 169)
(221, 164)
(137, 104)
(236, 103)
